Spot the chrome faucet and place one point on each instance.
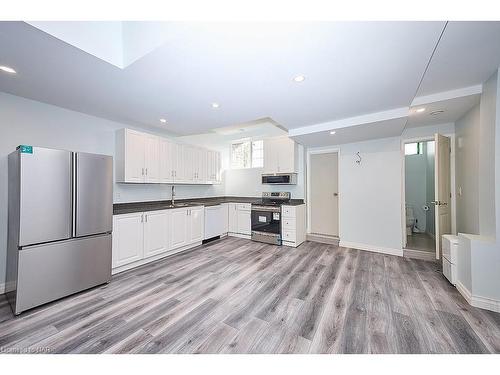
(173, 195)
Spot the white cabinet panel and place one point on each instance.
(155, 232)
(152, 159)
(244, 221)
(134, 158)
(202, 166)
(178, 228)
(293, 225)
(287, 155)
(280, 155)
(127, 239)
(270, 156)
(166, 161)
(196, 223)
(225, 218)
(189, 163)
(232, 218)
(178, 163)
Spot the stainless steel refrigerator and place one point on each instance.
(60, 224)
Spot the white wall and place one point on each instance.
(467, 175)
(487, 225)
(370, 194)
(24, 121)
(479, 255)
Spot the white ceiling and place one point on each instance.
(352, 69)
(356, 133)
(247, 68)
(453, 110)
(468, 54)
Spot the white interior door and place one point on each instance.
(324, 200)
(442, 193)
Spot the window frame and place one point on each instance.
(250, 158)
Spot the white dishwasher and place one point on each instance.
(214, 221)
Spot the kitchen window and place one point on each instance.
(247, 154)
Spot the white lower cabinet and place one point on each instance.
(128, 237)
(293, 225)
(145, 236)
(178, 228)
(155, 233)
(196, 220)
(239, 218)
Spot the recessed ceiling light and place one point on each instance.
(163, 121)
(333, 132)
(420, 110)
(215, 105)
(299, 78)
(435, 113)
(7, 69)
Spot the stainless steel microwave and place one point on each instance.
(280, 179)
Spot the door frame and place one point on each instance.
(314, 151)
(452, 182)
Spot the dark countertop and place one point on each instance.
(126, 208)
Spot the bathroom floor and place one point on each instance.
(421, 241)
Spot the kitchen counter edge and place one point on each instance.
(132, 207)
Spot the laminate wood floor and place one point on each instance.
(238, 296)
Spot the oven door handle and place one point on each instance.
(267, 209)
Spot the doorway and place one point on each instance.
(419, 195)
(323, 202)
(428, 198)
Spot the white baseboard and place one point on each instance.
(478, 301)
(372, 248)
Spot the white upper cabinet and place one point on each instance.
(280, 155)
(166, 161)
(130, 156)
(178, 162)
(152, 158)
(146, 158)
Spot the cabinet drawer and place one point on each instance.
(289, 235)
(288, 223)
(288, 211)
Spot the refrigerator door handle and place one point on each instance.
(73, 194)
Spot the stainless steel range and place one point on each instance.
(266, 217)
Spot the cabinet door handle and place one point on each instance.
(142, 218)
(146, 171)
(142, 173)
(146, 218)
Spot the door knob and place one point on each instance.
(335, 194)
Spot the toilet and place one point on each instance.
(410, 220)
